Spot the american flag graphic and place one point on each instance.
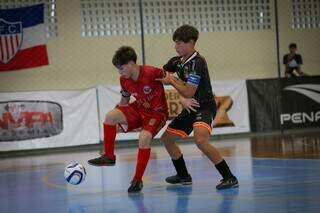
(10, 39)
(22, 38)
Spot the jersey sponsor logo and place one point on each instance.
(24, 120)
(10, 39)
(147, 90)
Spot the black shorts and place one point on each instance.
(183, 124)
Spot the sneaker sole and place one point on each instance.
(231, 187)
(99, 165)
(133, 192)
(181, 183)
(186, 183)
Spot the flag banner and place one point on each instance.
(47, 119)
(22, 38)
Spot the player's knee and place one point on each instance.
(110, 118)
(201, 143)
(166, 139)
(145, 139)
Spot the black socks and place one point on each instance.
(181, 168)
(224, 170)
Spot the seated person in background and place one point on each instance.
(292, 62)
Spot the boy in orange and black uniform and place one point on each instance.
(194, 85)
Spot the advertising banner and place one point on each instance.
(286, 103)
(231, 98)
(33, 120)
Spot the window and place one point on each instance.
(113, 17)
(108, 18)
(305, 14)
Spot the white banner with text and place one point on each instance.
(33, 120)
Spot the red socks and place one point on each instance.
(110, 132)
(142, 161)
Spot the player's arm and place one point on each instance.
(124, 101)
(125, 97)
(189, 88)
(185, 89)
(158, 74)
(172, 65)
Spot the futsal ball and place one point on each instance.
(74, 173)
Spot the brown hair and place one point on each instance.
(186, 33)
(123, 55)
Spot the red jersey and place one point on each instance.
(148, 92)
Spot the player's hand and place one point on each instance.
(172, 64)
(189, 104)
(167, 79)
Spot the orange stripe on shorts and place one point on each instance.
(177, 132)
(203, 124)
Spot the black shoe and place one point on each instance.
(136, 186)
(228, 183)
(102, 161)
(179, 180)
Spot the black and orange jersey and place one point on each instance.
(194, 71)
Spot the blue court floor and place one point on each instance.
(275, 175)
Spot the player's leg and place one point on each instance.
(202, 132)
(151, 125)
(168, 139)
(112, 118)
(181, 126)
(143, 156)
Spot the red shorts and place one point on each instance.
(150, 121)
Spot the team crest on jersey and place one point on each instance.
(147, 90)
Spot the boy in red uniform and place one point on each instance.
(149, 111)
